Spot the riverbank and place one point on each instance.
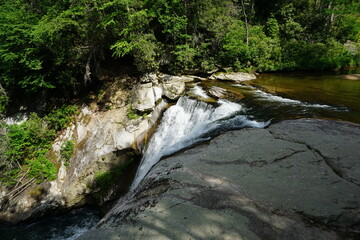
(297, 179)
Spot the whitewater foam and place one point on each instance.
(186, 123)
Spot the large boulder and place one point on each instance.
(145, 96)
(173, 86)
(277, 183)
(237, 77)
(149, 78)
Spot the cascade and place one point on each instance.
(186, 123)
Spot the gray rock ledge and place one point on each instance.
(298, 179)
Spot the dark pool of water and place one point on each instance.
(68, 226)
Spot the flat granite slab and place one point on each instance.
(297, 179)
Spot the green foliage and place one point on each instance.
(262, 52)
(46, 44)
(272, 28)
(3, 100)
(185, 57)
(66, 151)
(28, 139)
(59, 118)
(41, 168)
(10, 177)
(328, 55)
(29, 143)
(144, 49)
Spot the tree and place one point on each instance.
(4, 140)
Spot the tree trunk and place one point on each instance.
(246, 22)
(331, 20)
(87, 75)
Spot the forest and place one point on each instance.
(55, 48)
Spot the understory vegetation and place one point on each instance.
(27, 153)
(55, 48)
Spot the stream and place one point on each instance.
(64, 227)
(212, 107)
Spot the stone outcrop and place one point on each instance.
(237, 77)
(297, 179)
(145, 96)
(103, 140)
(173, 86)
(153, 87)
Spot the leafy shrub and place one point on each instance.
(3, 100)
(28, 138)
(10, 177)
(262, 52)
(185, 56)
(59, 118)
(328, 55)
(42, 168)
(66, 151)
(29, 142)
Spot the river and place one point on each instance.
(270, 98)
(65, 227)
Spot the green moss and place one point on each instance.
(36, 192)
(101, 94)
(131, 113)
(87, 119)
(104, 180)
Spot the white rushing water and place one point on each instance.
(187, 123)
(198, 91)
(274, 98)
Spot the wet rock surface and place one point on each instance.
(297, 179)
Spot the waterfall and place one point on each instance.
(186, 123)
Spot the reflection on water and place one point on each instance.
(281, 96)
(65, 227)
(318, 87)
